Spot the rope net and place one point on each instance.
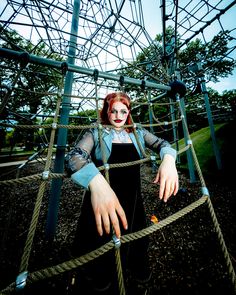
(110, 37)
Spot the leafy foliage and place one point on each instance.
(222, 108)
(213, 58)
(193, 61)
(34, 90)
(153, 62)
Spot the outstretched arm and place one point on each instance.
(167, 175)
(106, 206)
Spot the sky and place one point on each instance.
(153, 24)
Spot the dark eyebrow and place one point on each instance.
(114, 109)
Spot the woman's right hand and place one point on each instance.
(106, 206)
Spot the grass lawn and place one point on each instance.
(203, 146)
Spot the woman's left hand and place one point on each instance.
(167, 177)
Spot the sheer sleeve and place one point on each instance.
(158, 144)
(80, 155)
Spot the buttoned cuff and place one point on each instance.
(169, 151)
(85, 175)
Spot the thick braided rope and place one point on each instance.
(184, 149)
(31, 178)
(120, 277)
(136, 235)
(37, 177)
(222, 244)
(191, 146)
(68, 265)
(141, 161)
(34, 221)
(71, 127)
(32, 228)
(71, 264)
(212, 212)
(104, 159)
(164, 129)
(124, 239)
(162, 123)
(48, 126)
(9, 289)
(153, 103)
(149, 230)
(62, 267)
(136, 137)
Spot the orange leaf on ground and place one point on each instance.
(154, 219)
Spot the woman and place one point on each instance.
(116, 204)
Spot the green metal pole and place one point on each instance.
(16, 55)
(154, 165)
(174, 127)
(210, 121)
(62, 132)
(188, 152)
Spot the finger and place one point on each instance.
(99, 224)
(168, 192)
(106, 222)
(161, 189)
(157, 178)
(171, 189)
(121, 214)
(176, 188)
(115, 224)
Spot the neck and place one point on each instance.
(120, 136)
(118, 129)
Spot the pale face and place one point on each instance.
(118, 115)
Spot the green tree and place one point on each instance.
(34, 90)
(213, 57)
(156, 64)
(223, 108)
(86, 117)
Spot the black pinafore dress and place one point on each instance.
(125, 181)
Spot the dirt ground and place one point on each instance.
(186, 256)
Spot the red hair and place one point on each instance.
(109, 100)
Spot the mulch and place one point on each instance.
(186, 256)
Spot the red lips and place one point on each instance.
(118, 121)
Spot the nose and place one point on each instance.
(118, 115)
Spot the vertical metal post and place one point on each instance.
(210, 121)
(174, 127)
(154, 165)
(188, 152)
(171, 53)
(62, 132)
